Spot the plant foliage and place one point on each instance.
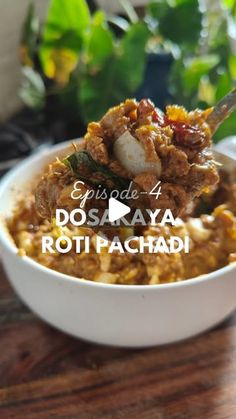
(78, 59)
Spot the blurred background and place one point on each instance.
(64, 63)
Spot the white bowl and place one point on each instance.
(123, 315)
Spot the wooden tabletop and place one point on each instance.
(47, 374)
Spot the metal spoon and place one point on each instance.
(130, 151)
(221, 111)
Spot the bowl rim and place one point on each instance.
(7, 242)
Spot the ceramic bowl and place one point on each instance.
(122, 315)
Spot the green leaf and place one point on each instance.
(99, 40)
(157, 9)
(232, 66)
(64, 27)
(231, 5)
(64, 16)
(206, 91)
(196, 68)
(226, 129)
(132, 56)
(182, 23)
(29, 36)
(68, 40)
(119, 77)
(33, 90)
(224, 85)
(81, 159)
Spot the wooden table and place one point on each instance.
(47, 374)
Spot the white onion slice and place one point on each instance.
(131, 154)
(196, 230)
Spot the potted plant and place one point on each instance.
(78, 64)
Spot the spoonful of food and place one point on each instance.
(130, 151)
(135, 142)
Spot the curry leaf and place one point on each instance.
(80, 159)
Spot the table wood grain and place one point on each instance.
(47, 374)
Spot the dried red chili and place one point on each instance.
(184, 134)
(188, 135)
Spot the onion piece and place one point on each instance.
(197, 231)
(131, 154)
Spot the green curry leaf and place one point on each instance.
(82, 159)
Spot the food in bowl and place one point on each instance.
(136, 142)
(212, 246)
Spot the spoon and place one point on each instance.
(129, 151)
(221, 111)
